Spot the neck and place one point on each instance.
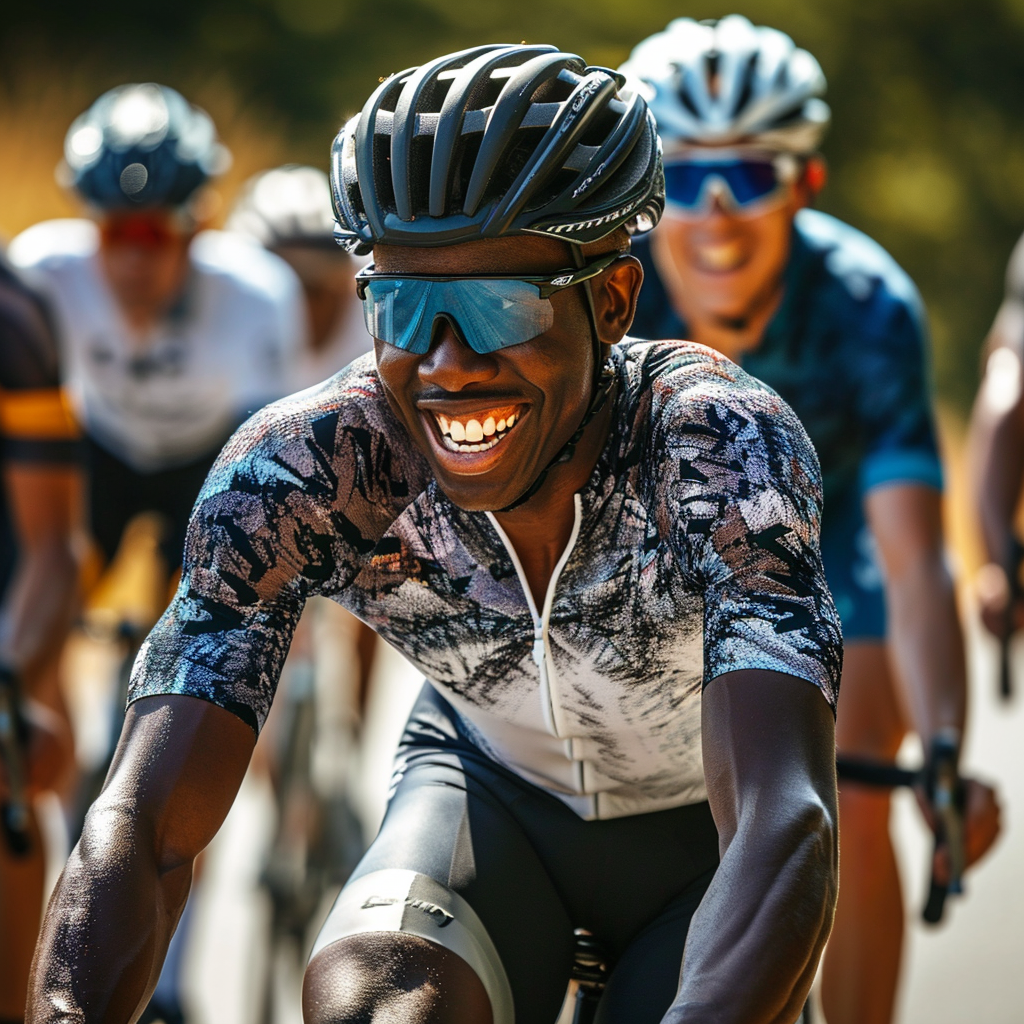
(733, 336)
(540, 528)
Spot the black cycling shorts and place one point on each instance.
(117, 493)
(533, 871)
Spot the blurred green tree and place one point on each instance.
(926, 149)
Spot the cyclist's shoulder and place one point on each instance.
(28, 349)
(343, 418)
(240, 265)
(691, 385)
(866, 280)
(53, 245)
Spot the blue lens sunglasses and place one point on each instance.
(742, 182)
(490, 311)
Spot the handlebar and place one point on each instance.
(941, 782)
(14, 811)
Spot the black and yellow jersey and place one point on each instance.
(36, 425)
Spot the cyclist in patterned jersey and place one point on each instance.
(38, 574)
(603, 555)
(170, 335)
(823, 315)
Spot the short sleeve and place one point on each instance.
(749, 500)
(35, 418)
(259, 542)
(895, 401)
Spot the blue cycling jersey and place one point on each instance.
(847, 350)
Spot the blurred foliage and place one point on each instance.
(926, 151)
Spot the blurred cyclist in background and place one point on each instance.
(997, 456)
(824, 316)
(288, 211)
(38, 575)
(170, 335)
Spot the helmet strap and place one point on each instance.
(603, 385)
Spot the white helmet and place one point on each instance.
(729, 82)
(289, 205)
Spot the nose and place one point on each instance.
(451, 364)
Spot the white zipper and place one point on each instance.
(541, 651)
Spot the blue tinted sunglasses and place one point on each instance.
(490, 311)
(742, 183)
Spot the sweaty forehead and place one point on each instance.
(522, 254)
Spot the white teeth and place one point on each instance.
(474, 432)
(511, 420)
(500, 426)
(445, 425)
(458, 431)
(488, 426)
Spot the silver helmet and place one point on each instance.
(712, 83)
(289, 205)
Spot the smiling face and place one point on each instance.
(489, 424)
(728, 263)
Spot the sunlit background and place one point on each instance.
(926, 149)
(926, 154)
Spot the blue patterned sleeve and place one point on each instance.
(894, 397)
(293, 506)
(749, 501)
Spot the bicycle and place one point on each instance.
(940, 780)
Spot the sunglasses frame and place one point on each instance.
(787, 168)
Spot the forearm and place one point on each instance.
(997, 450)
(108, 924)
(40, 604)
(756, 939)
(927, 647)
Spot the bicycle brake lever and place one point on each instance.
(945, 791)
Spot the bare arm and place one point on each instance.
(176, 772)
(755, 941)
(996, 447)
(924, 628)
(44, 501)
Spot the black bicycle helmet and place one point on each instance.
(141, 146)
(493, 141)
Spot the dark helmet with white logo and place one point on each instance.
(494, 141)
(141, 146)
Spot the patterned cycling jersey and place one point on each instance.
(221, 352)
(847, 349)
(694, 552)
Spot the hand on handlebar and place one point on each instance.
(982, 825)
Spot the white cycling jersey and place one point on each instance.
(348, 340)
(222, 352)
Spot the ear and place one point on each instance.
(813, 179)
(615, 296)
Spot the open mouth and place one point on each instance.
(720, 257)
(477, 431)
